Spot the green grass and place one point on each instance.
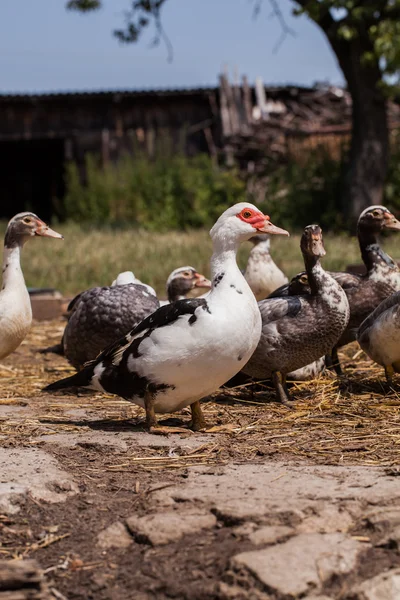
(94, 257)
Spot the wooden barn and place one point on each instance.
(39, 132)
(249, 126)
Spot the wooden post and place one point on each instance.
(247, 103)
(223, 102)
(211, 145)
(230, 100)
(105, 146)
(261, 98)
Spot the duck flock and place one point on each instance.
(165, 356)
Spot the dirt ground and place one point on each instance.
(268, 503)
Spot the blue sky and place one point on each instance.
(43, 47)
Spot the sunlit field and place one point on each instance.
(94, 257)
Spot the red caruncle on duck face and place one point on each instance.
(259, 221)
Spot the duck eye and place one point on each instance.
(376, 213)
(27, 220)
(186, 274)
(247, 214)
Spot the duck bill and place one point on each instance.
(45, 231)
(268, 227)
(318, 246)
(391, 222)
(202, 282)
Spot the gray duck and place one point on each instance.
(364, 292)
(298, 330)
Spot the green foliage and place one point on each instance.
(170, 192)
(300, 194)
(376, 23)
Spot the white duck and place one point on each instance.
(15, 304)
(262, 274)
(186, 350)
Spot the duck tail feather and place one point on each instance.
(81, 379)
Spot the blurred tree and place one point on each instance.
(365, 37)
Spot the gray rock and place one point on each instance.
(235, 592)
(385, 586)
(165, 527)
(31, 470)
(317, 598)
(377, 518)
(327, 518)
(271, 534)
(115, 536)
(271, 487)
(303, 563)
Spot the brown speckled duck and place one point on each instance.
(298, 330)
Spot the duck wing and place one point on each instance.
(112, 360)
(379, 310)
(346, 280)
(102, 315)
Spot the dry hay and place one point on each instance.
(351, 421)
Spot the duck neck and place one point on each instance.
(371, 251)
(224, 268)
(315, 272)
(12, 272)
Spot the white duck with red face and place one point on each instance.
(15, 304)
(186, 350)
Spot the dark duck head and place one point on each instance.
(312, 248)
(372, 221)
(186, 282)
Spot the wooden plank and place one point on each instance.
(231, 105)
(105, 146)
(211, 145)
(22, 580)
(224, 109)
(247, 103)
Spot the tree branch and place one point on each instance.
(285, 29)
(138, 18)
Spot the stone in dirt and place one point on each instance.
(267, 488)
(163, 528)
(386, 523)
(115, 536)
(385, 586)
(326, 518)
(309, 558)
(317, 598)
(33, 471)
(270, 534)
